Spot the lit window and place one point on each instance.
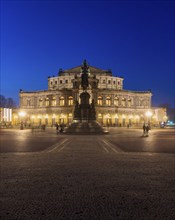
(129, 102)
(123, 102)
(70, 115)
(99, 115)
(53, 101)
(108, 100)
(116, 101)
(61, 101)
(100, 100)
(47, 101)
(70, 100)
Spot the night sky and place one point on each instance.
(135, 39)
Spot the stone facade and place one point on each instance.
(114, 105)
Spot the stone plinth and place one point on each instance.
(85, 128)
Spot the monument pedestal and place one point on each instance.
(91, 128)
(84, 113)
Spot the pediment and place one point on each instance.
(78, 70)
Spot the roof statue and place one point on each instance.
(84, 76)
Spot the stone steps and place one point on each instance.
(85, 128)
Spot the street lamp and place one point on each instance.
(21, 114)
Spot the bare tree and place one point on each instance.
(7, 102)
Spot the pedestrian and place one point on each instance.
(144, 129)
(61, 128)
(147, 130)
(57, 127)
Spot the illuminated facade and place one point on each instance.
(114, 105)
(5, 114)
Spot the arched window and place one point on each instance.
(116, 101)
(47, 101)
(123, 102)
(62, 101)
(54, 101)
(100, 100)
(99, 115)
(129, 102)
(70, 100)
(108, 100)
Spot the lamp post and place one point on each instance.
(22, 114)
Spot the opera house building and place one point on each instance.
(86, 93)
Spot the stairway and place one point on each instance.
(85, 128)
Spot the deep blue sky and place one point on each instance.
(135, 39)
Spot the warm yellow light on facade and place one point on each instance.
(53, 116)
(108, 116)
(39, 116)
(130, 116)
(32, 117)
(46, 116)
(62, 116)
(165, 118)
(137, 117)
(116, 116)
(154, 117)
(148, 114)
(22, 114)
(123, 116)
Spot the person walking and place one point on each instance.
(57, 127)
(147, 130)
(61, 128)
(144, 129)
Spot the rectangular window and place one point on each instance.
(61, 81)
(104, 81)
(109, 81)
(66, 81)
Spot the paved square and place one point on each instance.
(117, 176)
